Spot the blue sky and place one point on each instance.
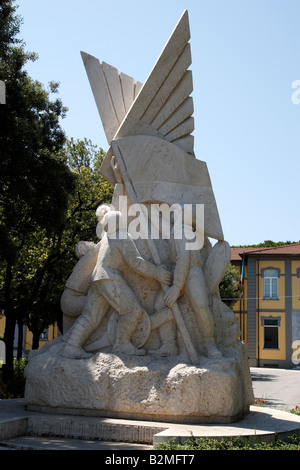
(245, 59)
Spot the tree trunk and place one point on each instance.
(35, 338)
(20, 339)
(9, 336)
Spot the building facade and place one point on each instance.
(269, 311)
(47, 335)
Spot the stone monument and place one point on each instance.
(146, 334)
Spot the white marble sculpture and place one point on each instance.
(144, 325)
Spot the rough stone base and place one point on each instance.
(155, 389)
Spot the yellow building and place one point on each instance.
(269, 313)
(47, 335)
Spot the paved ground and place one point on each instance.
(279, 388)
(57, 443)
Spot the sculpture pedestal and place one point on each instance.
(138, 387)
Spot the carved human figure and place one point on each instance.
(76, 288)
(188, 278)
(108, 288)
(77, 285)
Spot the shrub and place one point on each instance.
(230, 444)
(259, 402)
(296, 410)
(15, 389)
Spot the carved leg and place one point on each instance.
(167, 333)
(197, 294)
(126, 327)
(123, 300)
(76, 337)
(94, 310)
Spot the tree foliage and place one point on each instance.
(46, 258)
(55, 257)
(35, 180)
(267, 244)
(230, 287)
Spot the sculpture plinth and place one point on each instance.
(146, 334)
(143, 388)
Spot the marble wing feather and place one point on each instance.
(161, 107)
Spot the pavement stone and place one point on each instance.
(60, 443)
(279, 388)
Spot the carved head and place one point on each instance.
(102, 210)
(112, 222)
(82, 248)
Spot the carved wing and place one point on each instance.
(113, 92)
(161, 107)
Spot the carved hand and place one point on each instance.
(116, 169)
(163, 275)
(172, 295)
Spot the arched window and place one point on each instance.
(270, 283)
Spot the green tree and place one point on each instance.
(267, 244)
(35, 180)
(50, 260)
(230, 287)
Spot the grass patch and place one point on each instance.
(230, 444)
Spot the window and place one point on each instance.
(270, 284)
(296, 325)
(44, 335)
(270, 332)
